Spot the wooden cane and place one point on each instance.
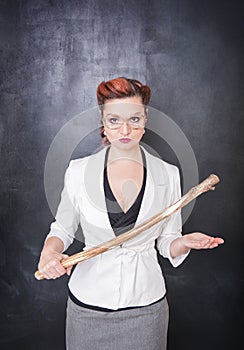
(206, 185)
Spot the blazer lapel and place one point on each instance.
(155, 188)
(96, 210)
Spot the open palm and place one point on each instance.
(198, 240)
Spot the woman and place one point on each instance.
(117, 300)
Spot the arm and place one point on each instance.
(172, 226)
(61, 233)
(176, 247)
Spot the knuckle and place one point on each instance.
(61, 273)
(53, 263)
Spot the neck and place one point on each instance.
(131, 154)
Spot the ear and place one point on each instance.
(100, 111)
(146, 111)
(101, 116)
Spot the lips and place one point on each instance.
(124, 140)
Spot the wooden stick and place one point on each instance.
(206, 185)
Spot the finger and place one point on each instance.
(216, 241)
(219, 240)
(209, 242)
(48, 275)
(51, 270)
(59, 270)
(204, 243)
(216, 244)
(53, 274)
(64, 256)
(68, 270)
(213, 245)
(213, 242)
(43, 270)
(56, 274)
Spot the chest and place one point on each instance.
(125, 180)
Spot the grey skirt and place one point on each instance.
(140, 328)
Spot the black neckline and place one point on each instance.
(111, 196)
(121, 221)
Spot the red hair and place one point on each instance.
(120, 88)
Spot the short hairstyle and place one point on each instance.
(121, 87)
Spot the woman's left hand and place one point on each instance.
(198, 240)
(195, 240)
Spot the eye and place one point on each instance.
(113, 120)
(135, 119)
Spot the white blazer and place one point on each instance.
(128, 275)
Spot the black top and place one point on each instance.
(120, 222)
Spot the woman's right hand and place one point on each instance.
(50, 264)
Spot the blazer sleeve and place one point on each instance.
(67, 217)
(172, 226)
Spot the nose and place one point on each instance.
(125, 129)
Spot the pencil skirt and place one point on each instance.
(143, 328)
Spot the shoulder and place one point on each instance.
(79, 163)
(92, 163)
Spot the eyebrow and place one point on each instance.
(116, 115)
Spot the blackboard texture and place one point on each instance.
(54, 53)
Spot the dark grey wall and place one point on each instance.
(53, 55)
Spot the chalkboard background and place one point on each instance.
(53, 55)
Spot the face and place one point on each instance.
(125, 112)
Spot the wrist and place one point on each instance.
(182, 246)
(178, 247)
(47, 250)
(53, 245)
